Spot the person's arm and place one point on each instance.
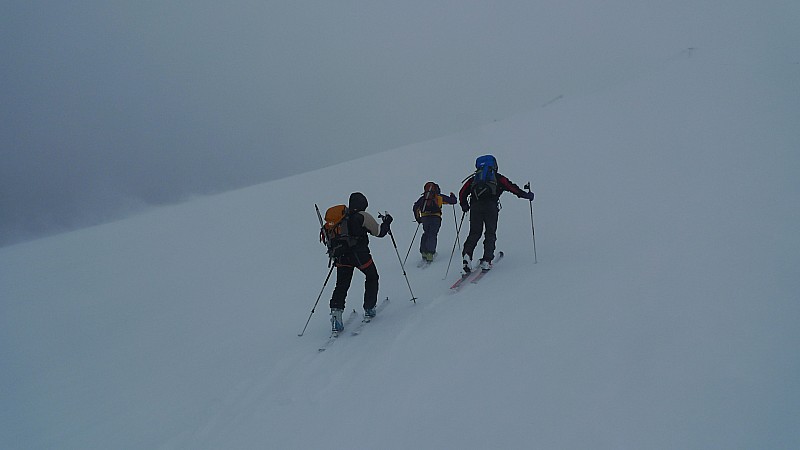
(513, 188)
(464, 193)
(417, 208)
(370, 224)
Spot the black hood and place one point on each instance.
(357, 202)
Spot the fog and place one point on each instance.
(111, 107)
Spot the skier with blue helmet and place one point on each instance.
(480, 196)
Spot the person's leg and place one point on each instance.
(433, 231)
(475, 231)
(370, 285)
(344, 275)
(490, 236)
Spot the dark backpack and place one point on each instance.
(484, 180)
(430, 204)
(334, 232)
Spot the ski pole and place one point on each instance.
(458, 231)
(533, 230)
(319, 216)
(394, 243)
(318, 297)
(457, 228)
(412, 243)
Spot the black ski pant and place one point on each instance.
(344, 276)
(482, 215)
(430, 233)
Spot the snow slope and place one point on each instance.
(662, 312)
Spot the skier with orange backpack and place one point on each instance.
(345, 234)
(428, 212)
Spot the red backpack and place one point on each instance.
(432, 203)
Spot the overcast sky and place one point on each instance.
(109, 106)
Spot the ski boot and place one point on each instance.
(336, 320)
(467, 268)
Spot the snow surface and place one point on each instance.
(662, 312)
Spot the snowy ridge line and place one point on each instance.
(350, 319)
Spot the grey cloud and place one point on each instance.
(109, 106)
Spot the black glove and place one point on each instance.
(465, 207)
(387, 219)
(385, 227)
(529, 195)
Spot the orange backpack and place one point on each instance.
(334, 233)
(432, 203)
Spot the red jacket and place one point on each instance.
(503, 184)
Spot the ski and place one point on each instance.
(334, 335)
(357, 330)
(485, 271)
(464, 277)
